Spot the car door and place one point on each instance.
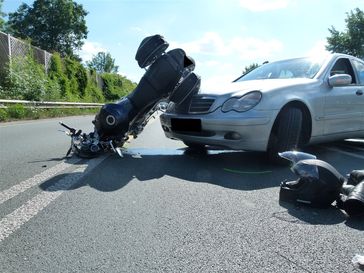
(359, 67)
(343, 104)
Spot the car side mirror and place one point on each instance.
(340, 80)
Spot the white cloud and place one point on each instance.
(245, 48)
(211, 63)
(263, 5)
(215, 83)
(318, 50)
(222, 60)
(250, 48)
(210, 44)
(89, 49)
(136, 29)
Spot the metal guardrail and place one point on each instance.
(50, 104)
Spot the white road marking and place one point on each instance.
(5, 195)
(344, 152)
(23, 214)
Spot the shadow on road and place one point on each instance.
(230, 169)
(314, 216)
(234, 170)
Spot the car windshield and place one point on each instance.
(287, 69)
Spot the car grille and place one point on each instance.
(201, 104)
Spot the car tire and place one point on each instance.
(285, 135)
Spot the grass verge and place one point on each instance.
(19, 112)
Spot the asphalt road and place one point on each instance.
(161, 208)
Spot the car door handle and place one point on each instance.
(359, 92)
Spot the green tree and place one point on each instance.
(350, 41)
(249, 68)
(53, 25)
(103, 63)
(2, 14)
(116, 86)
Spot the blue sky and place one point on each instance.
(223, 36)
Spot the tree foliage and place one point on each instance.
(73, 79)
(25, 79)
(66, 80)
(249, 68)
(2, 14)
(350, 41)
(103, 63)
(116, 86)
(53, 25)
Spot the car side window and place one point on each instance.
(360, 71)
(343, 66)
(285, 74)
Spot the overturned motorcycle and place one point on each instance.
(319, 184)
(169, 77)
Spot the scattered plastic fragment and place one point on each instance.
(358, 261)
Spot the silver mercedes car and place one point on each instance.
(276, 107)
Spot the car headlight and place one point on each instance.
(242, 104)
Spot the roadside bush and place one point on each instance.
(71, 77)
(58, 77)
(16, 111)
(81, 76)
(3, 114)
(116, 86)
(2, 82)
(66, 80)
(93, 94)
(25, 79)
(77, 75)
(2, 92)
(33, 113)
(53, 92)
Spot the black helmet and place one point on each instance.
(318, 183)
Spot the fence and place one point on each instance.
(11, 47)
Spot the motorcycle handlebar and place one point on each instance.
(72, 130)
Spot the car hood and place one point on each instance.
(240, 88)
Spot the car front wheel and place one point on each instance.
(285, 135)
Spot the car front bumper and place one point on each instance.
(239, 131)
